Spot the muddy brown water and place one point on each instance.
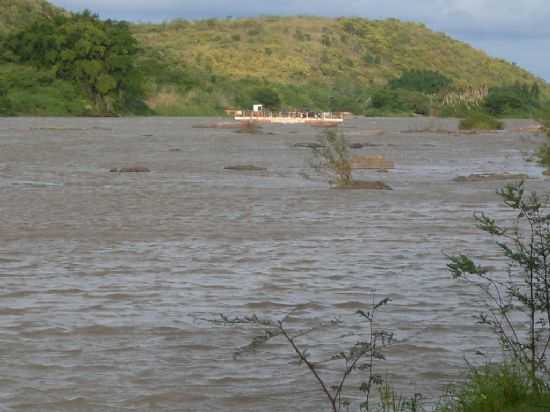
(108, 281)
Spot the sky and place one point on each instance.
(516, 30)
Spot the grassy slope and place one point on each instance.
(17, 13)
(300, 50)
(270, 48)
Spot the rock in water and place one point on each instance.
(489, 177)
(365, 185)
(130, 169)
(246, 168)
(308, 145)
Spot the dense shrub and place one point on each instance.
(423, 81)
(518, 99)
(416, 102)
(496, 388)
(26, 90)
(480, 121)
(543, 153)
(388, 101)
(5, 106)
(269, 98)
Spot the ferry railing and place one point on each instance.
(291, 115)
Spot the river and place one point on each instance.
(110, 282)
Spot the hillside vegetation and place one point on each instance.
(301, 49)
(14, 14)
(373, 67)
(315, 62)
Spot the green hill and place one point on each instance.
(301, 49)
(307, 60)
(202, 67)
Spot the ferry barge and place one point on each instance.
(258, 114)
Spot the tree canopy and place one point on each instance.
(513, 99)
(97, 55)
(424, 81)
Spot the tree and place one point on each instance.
(513, 99)
(423, 81)
(269, 98)
(521, 297)
(98, 55)
(5, 104)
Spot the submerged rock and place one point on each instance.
(309, 145)
(246, 168)
(218, 125)
(365, 184)
(130, 169)
(546, 172)
(362, 145)
(36, 183)
(488, 177)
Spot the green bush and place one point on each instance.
(416, 102)
(28, 91)
(496, 388)
(423, 81)
(387, 99)
(480, 121)
(5, 107)
(543, 117)
(5, 104)
(543, 153)
(391, 101)
(268, 97)
(516, 100)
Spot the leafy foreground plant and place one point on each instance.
(360, 357)
(519, 301)
(496, 388)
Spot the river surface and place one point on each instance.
(111, 284)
